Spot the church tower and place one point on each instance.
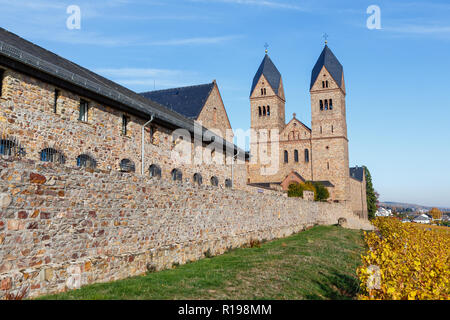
(267, 100)
(329, 140)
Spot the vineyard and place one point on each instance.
(405, 261)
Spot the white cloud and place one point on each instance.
(146, 79)
(420, 29)
(261, 3)
(193, 41)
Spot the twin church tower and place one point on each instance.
(316, 153)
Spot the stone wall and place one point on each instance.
(61, 227)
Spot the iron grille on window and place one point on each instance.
(177, 175)
(86, 161)
(126, 165)
(155, 171)
(11, 148)
(52, 155)
(214, 181)
(198, 179)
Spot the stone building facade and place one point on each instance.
(319, 153)
(55, 120)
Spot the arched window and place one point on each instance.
(52, 155)
(323, 84)
(198, 179)
(286, 156)
(155, 171)
(306, 155)
(10, 147)
(126, 165)
(326, 104)
(268, 110)
(321, 105)
(326, 83)
(265, 91)
(262, 91)
(86, 161)
(296, 155)
(260, 111)
(214, 181)
(264, 110)
(331, 104)
(228, 183)
(177, 175)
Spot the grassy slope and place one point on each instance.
(316, 264)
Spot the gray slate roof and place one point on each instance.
(357, 173)
(187, 101)
(334, 67)
(37, 58)
(268, 69)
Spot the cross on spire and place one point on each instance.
(325, 36)
(266, 45)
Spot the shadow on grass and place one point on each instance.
(336, 286)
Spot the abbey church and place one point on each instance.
(306, 153)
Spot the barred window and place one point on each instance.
(126, 165)
(10, 147)
(306, 155)
(155, 171)
(52, 155)
(84, 109)
(286, 156)
(198, 179)
(177, 175)
(228, 183)
(86, 161)
(214, 181)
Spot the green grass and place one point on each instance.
(319, 263)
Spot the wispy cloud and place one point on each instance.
(420, 29)
(145, 79)
(195, 41)
(261, 3)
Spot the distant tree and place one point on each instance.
(372, 196)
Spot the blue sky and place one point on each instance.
(398, 102)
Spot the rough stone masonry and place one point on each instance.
(62, 228)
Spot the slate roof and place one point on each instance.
(268, 69)
(334, 67)
(35, 60)
(357, 173)
(187, 101)
(326, 183)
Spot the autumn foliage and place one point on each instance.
(405, 261)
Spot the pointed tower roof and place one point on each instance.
(270, 72)
(328, 60)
